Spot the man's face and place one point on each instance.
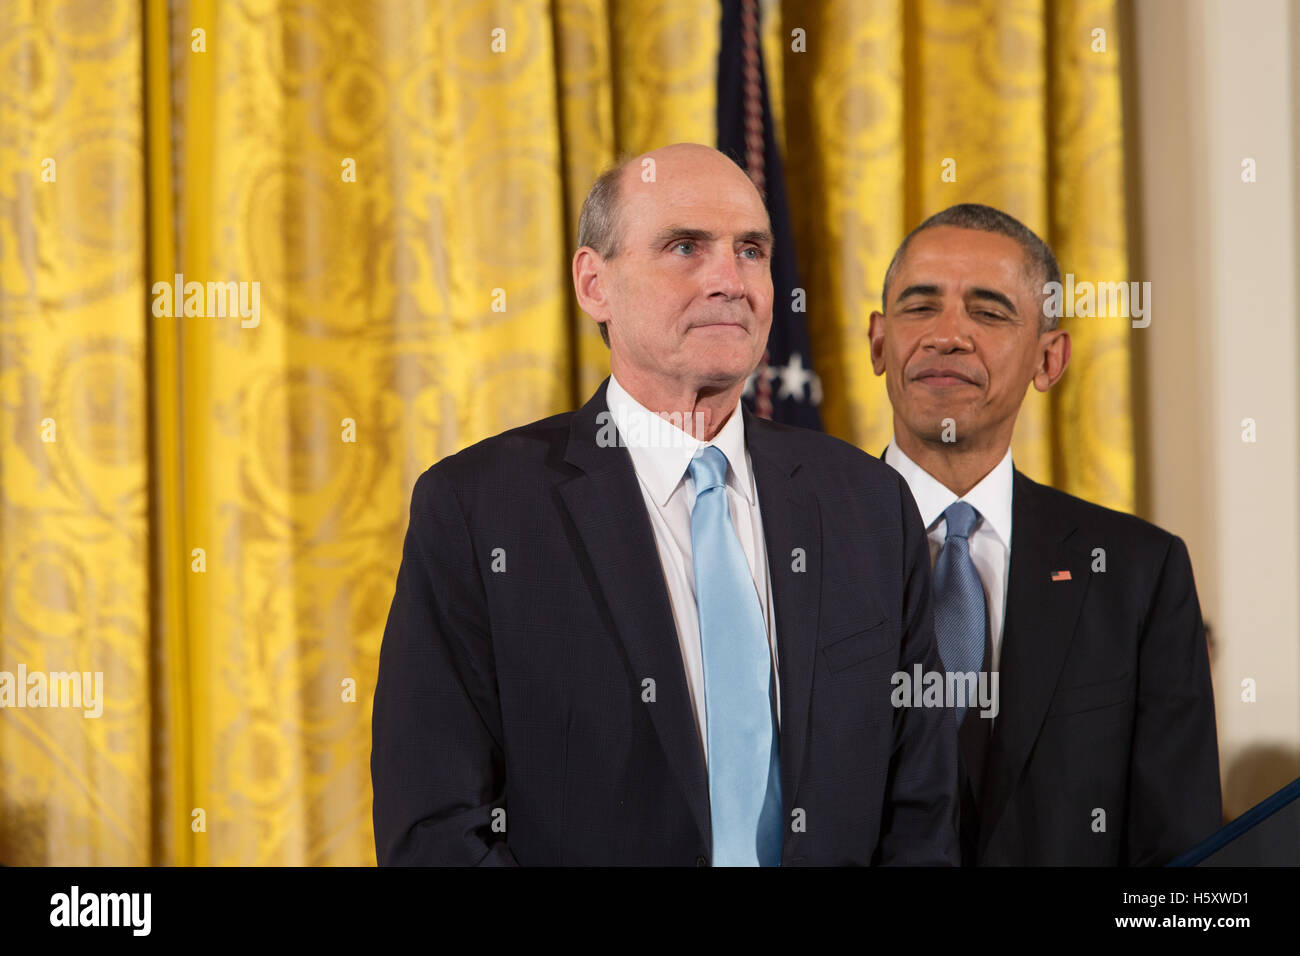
(960, 336)
(688, 297)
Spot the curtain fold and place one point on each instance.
(74, 525)
(917, 106)
(218, 525)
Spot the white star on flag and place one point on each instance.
(794, 378)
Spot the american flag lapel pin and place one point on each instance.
(1060, 575)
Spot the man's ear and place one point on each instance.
(588, 283)
(1053, 357)
(876, 333)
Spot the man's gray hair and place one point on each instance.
(1040, 262)
(598, 225)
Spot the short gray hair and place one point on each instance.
(969, 215)
(598, 225)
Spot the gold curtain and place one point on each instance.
(1020, 100)
(211, 514)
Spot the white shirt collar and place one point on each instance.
(991, 497)
(661, 451)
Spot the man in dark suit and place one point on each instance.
(624, 639)
(1101, 748)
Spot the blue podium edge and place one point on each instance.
(1251, 818)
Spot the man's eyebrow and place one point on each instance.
(995, 296)
(680, 233)
(919, 289)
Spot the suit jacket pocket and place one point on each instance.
(1077, 700)
(859, 646)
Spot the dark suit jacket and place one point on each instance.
(513, 721)
(1105, 694)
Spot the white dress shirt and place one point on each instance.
(990, 542)
(661, 453)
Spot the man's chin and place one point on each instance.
(722, 372)
(938, 408)
(939, 426)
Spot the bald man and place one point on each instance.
(659, 631)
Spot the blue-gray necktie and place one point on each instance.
(744, 768)
(959, 619)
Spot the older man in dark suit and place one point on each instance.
(658, 630)
(1101, 746)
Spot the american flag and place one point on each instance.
(784, 387)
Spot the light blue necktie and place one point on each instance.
(959, 619)
(744, 767)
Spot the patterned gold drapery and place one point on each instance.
(182, 504)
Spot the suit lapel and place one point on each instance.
(791, 520)
(608, 510)
(1040, 621)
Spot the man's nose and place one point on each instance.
(723, 276)
(949, 330)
